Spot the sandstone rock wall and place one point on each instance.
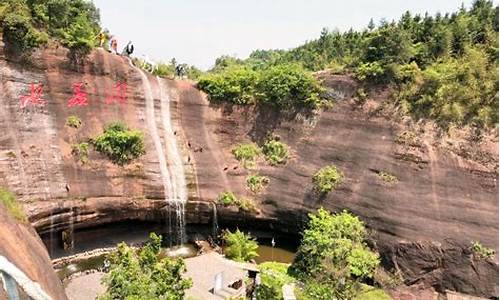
(440, 195)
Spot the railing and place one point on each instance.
(13, 279)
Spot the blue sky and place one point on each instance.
(199, 31)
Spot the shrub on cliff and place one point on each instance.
(239, 246)
(119, 143)
(327, 179)
(289, 86)
(235, 85)
(30, 24)
(246, 154)
(227, 199)
(73, 121)
(276, 152)
(333, 258)
(145, 274)
(11, 205)
(285, 86)
(256, 183)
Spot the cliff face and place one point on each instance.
(21, 246)
(445, 191)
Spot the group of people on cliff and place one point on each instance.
(180, 69)
(113, 45)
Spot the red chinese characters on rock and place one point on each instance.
(79, 96)
(35, 97)
(119, 94)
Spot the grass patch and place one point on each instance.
(387, 177)
(246, 154)
(372, 293)
(327, 179)
(74, 122)
(256, 183)
(119, 143)
(13, 207)
(481, 250)
(276, 152)
(81, 152)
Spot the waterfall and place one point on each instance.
(173, 178)
(176, 167)
(215, 224)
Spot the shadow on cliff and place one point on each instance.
(265, 119)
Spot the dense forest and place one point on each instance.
(442, 67)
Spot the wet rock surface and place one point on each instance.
(439, 194)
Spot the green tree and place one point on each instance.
(239, 246)
(332, 257)
(143, 274)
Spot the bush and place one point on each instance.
(289, 86)
(276, 152)
(227, 199)
(371, 71)
(73, 121)
(29, 24)
(387, 177)
(119, 143)
(239, 246)
(327, 179)
(164, 70)
(19, 33)
(235, 85)
(256, 183)
(333, 258)
(11, 205)
(246, 154)
(145, 274)
(284, 86)
(273, 276)
(482, 251)
(246, 204)
(81, 151)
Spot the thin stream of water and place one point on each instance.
(176, 166)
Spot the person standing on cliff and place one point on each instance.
(113, 45)
(102, 38)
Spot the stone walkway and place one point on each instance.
(85, 287)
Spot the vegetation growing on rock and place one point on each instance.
(230, 199)
(246, 154)
(442, 67)
(81, 152)
(256, 183)
(276, 152)
(285, 86)
(387, 177)
(143, 274)
(30, 24)
(333, 258)
(227, 199)
(11, 205)
(327, 179)
(73, 121)
(239, 246)
(119, 143)
(481, 250)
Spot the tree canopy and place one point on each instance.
(142, 274)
